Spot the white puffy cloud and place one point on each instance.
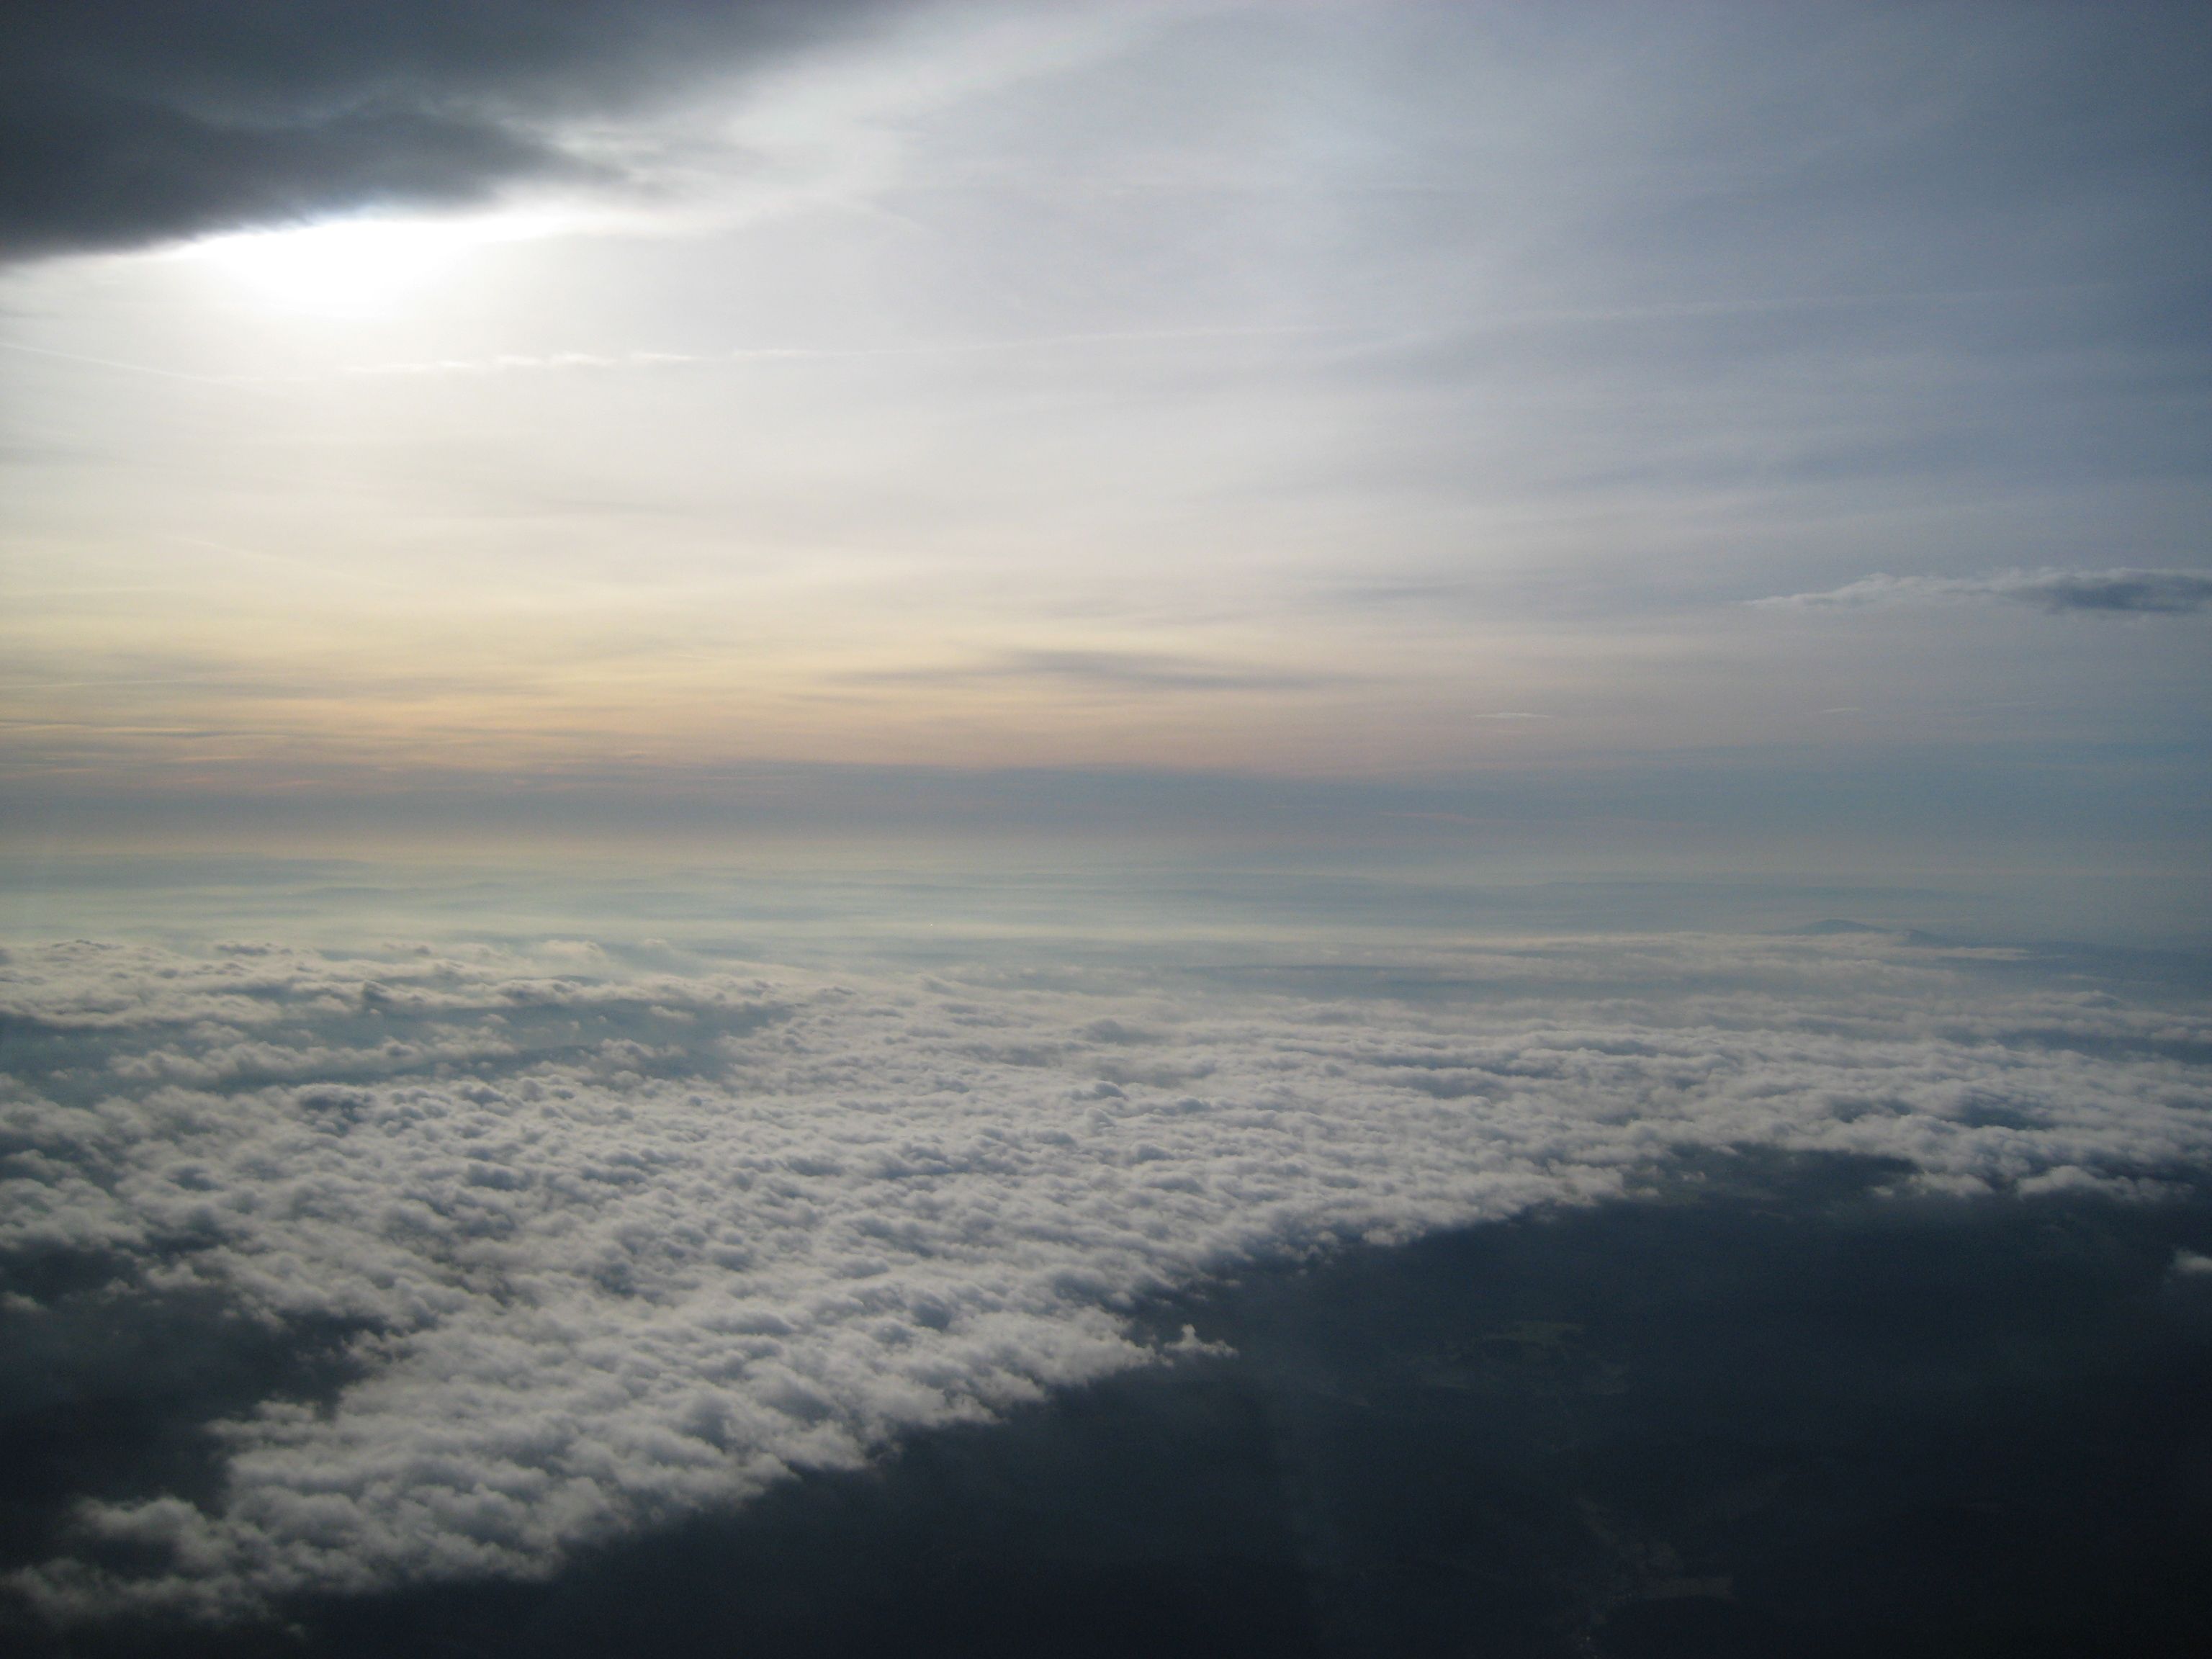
(618, 1244)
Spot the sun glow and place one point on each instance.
(353, 266)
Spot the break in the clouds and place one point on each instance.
(123, 122)
(2061, 592)
(610, 1244)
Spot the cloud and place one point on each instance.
(133, 121)
(1125, 671)
(611, 1246)
(2116, 592)
(511, 363)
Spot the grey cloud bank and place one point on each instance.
(614, 1245)
(127, 121)
(2061, 592)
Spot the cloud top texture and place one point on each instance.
(611, 1246)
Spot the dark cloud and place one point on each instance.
(2114, 593)
(2168, 592)
(123, 122)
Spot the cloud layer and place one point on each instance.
(130, 121)
(614, 1244)
(2060, 592)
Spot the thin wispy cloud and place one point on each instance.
(1121, 671)
(516, 362)
(2060, 592)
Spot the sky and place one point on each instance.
(1282, 827)
(1746, 438)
